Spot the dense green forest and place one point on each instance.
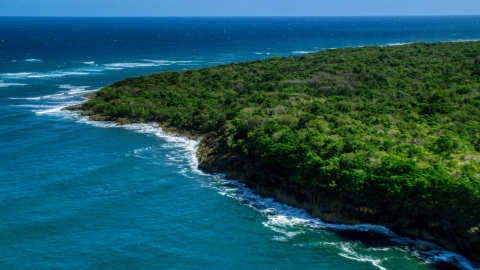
(391, 128)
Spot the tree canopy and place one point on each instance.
(394, 128)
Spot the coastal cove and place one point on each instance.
(147, 182)
(218, 152)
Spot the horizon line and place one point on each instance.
(231, 16)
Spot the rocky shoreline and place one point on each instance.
(93, 116)
(215, 156)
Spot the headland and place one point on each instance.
(380, 135)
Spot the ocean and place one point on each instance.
(76, 194)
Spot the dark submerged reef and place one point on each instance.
(385, 135)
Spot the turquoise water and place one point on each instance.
(83, 195)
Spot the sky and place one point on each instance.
(238, 7)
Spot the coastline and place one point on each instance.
(114, 190)
(214, 157)
(183, 132)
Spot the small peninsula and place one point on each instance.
(381, 135)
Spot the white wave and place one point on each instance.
(33, 60)
(65, 95)
(27, 98)
(2, 84)
(157, 61)
(379, 249)
(50, 110)
(280, 238)
(165, 61)
(144, 63)
(56, 96)
(130, 65)
(39, 75)
(278, 224)
(92, 69)
(56, 74)
(46, 109)
(68, 86)
(34, 75)
(13, 61)
(398, 44)
(348, 253)
(34, 106)
(15, 75)
(138, 153)
(302, 52)
(463, 40)
(53, 104)
(55, 108)
(89, 63)
(75, 90)
(59, 96)
(78, 91)
(189, 145)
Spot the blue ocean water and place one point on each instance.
(76, 194)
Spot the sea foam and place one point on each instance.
(38, 75)
(75, 90)
(349, 253)
(165, 62)
(398, 44)
(302, 52)
(129, 65)
(33, 60)
(3, 84)
(53, 103)
(144, 63)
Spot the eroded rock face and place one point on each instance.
(98, 117)
(77, 107)
(122, 121)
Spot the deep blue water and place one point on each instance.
(82, 195)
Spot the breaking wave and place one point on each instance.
(144, 63)
(3, 84)
(33, 60)
(38, 75)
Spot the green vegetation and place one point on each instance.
(395, 129)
